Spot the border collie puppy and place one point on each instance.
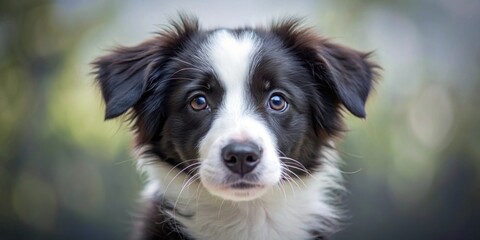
(235, 127)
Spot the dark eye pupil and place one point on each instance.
(277, 103)
(199, 103)
(276, 100)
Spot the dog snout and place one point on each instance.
(241, 158)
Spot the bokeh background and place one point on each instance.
(412, 167)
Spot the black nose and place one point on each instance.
(241, 158)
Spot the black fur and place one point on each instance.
(154, 223)
(158, 78)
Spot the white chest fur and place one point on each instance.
(289, 211)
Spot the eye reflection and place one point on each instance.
(199, 103)
(277, 103)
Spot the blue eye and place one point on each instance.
(277, 103)
(199, 103)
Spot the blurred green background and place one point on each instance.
(412, 167)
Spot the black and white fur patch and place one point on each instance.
(235, 128)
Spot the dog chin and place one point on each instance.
(239, 191)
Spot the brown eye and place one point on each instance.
(199, 103)
(277, 103)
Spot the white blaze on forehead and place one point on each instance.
(232, 58)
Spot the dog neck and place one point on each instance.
(301, 208)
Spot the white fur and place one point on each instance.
(276, 210)
(231, 58)
(285, 212)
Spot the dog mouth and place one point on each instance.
(242, 190)
(237, 190)
(243, 185)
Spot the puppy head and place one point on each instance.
(243, 109)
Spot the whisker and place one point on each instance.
(289, 179)
(220, 209)
(300, 169)
(295, 161)
(174, 167)
(197, 176)
(189, 166)
(122, 162)
(298, 165)
(185, 186)
(298, 177)
(346, 172)
(281, 188)
(197, 194)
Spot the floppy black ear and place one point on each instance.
(121, 76)
(349, 73)
(346, 71)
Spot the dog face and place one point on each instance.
(241, 109)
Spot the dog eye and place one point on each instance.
(277, 103)
(199, 103)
